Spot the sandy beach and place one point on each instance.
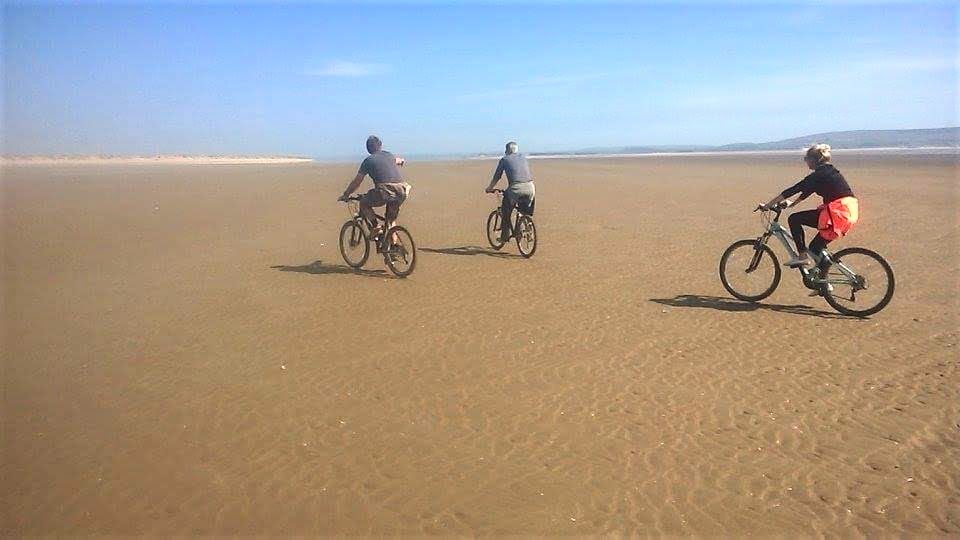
(185, 353)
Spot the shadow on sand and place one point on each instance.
(730, 304)
(318, 267)
(471, 250)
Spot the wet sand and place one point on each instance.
(185, 353)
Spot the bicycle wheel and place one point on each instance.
(869, 291)
(354, 244)
(401, 256)
(526, 234)
(493, 230)
(749, 270)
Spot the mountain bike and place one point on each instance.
(854, 281)
(358, 233)
(524, 231)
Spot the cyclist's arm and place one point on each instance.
(802, 187)
(774, 201)
(496, 176)
(354, 184)
(802, 196)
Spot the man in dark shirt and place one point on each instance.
(388, 186)
(520, 188)
(826, 181)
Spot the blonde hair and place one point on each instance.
(819, 153)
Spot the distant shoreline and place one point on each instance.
(266, 160)
(149, 160)
(923, 150)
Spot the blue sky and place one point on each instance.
(316, 79)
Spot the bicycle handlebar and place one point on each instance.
(775, 208)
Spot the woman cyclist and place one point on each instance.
(832, 219)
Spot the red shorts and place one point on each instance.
(838, 217)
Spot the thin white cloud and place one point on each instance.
(341, 68)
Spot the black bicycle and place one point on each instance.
(356, 235)
(524, 231)
(854, 281)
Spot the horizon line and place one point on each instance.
(583, 150)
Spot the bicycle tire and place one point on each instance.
(526, 235)
(350, 228)
(888, 295)
(493, 231)
(409, 254)
(764, 250)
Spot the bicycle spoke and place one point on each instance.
(400, 255)
(861, 282)
(749, 273)
(353, 244)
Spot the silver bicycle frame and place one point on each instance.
(778, 230)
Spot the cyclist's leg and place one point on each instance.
(817, 245)
(506, 209)
(525, 194)
(370, 200)
(391, 215)
(394, 196)
(796, 221)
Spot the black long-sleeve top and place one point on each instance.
(825, 181)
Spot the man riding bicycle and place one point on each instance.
(520, 188)
(389, 187)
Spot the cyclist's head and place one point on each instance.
(817, 154)
(374, 144)
(511, 148)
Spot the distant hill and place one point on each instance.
(885, 138)
(881, 138)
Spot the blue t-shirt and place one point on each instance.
(516, 167)
(382, 168)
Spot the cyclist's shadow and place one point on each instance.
(731, 304)
(318, 267)
(471, 250)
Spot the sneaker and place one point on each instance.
(800, 261)
(397, 253)
(819, 292)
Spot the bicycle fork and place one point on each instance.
(757, 253)
(356, 235)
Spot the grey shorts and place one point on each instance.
(522, 195)
(390, 194)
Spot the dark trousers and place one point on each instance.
(809, 218)
(506, 209)
(511, 197)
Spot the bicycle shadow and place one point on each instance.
(731, 304)
(471, 250)
(318, 267)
